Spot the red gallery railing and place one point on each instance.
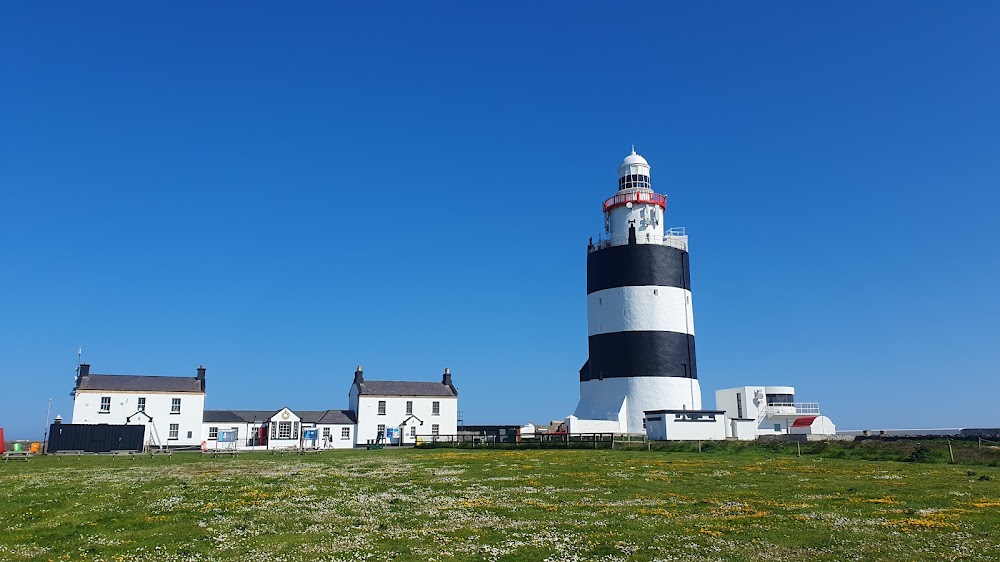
(635, 197)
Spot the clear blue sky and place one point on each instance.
(283, 192)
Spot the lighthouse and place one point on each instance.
(639, 311)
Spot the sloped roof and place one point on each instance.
(221, 416)
(804, 421)
(342, 417)
(406, 388)
(139, 383)
(328, 417)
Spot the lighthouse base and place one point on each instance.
(624, 399)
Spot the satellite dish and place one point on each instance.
(629, 204)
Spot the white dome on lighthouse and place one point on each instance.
(634, 159)
(633, 164)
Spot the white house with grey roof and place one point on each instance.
(171, 408)
(404, 411)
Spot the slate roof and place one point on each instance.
(139, 383)
(406, 388)
(342, 417)
(328, 417)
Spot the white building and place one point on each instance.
(404, 411)
(685, 425)
(282, 429)
(170, 407)
(770, 410)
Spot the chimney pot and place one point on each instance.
(446, 378)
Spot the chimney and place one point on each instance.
(84, 369)
(446, 379)
(359, 376)
(201, 376)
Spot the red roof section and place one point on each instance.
(804, 422)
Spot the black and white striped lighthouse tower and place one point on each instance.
(640, 320)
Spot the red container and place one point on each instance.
(3, 445)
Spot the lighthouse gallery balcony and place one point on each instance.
(639, 196)
(674, 237)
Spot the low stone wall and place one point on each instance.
(801, 438)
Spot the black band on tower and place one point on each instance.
(634, 265)
(640, 354)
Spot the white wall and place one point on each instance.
(744, 430)
(575, 425)
(648, 220)
(243, 432)
(663, 426)
(336, 439)
(726, 399)
(606, 399)
(650, 308)
(87, 406)
(395, 413)
(682, 430)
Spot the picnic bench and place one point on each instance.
(60, 454)
(216, 452)
(131, 453)
(17, 456)
(282, 451)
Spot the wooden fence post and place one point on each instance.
(951, 452)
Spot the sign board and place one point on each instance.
(310, 434)
(390, 432)
(227, 436)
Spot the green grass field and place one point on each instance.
(442, 504)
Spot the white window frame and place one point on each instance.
(140, 404)
(381, 407)
(175, 431)
(435, 408)
(105, 405)
(345, 433)
(409, 407)
(284, 430)
(380, 428)
(326, 433)
(213, 433)
(435, 430)
(175, 405)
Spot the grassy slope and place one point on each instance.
(497, 505)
